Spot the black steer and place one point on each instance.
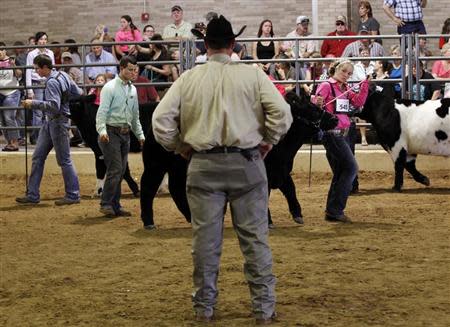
(407, 128)
(308, 119)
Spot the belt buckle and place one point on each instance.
(124, 130)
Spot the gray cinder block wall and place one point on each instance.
(77, 19)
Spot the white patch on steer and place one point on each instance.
(419, 123)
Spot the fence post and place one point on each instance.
(409, 53)
(297, 66)
(403, 54)
(416, 60)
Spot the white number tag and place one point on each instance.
(342, 105)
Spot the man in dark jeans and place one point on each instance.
(54, 132)
(117, 114)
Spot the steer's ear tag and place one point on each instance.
(379, 88)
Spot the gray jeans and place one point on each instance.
(115, 153)
(214, 180)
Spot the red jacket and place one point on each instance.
(335, 47)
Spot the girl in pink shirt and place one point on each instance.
(128, 32)
(336, 96)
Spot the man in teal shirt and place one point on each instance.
(117, 114)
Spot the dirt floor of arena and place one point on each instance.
(73, 267)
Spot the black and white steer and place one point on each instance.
(407, 128)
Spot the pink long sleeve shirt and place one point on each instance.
(355, 99)
(123, 36)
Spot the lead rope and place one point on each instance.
(349, 89)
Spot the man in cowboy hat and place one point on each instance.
(225, 117)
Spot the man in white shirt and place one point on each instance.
(179, 29)
(232, 115)
(306, 47)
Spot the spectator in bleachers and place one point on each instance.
(424, 51)
(175, 68)
(353, 49)
(179, 29)
(407, 15)
(157, 73)
(366, 20)
(101, 34)
(21, 60)
(445, 30)
(199, 44)
(74, 72)
(100, 79)
(146, 93)
(57, 53)
(396, 69)
(426, 91)
(73, 50)
(127, 32)
(34, 79)
(21, 54)
(441, 69)
(147, 34)
(31, 42)
(382, 69)
(336, 47)
(265, 49)
(314, 72)
(361, 70)
(283, 71)
(307, 47)
(9, 98)
(98, 55)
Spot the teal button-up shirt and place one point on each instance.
(119, 107)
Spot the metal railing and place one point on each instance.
(410, 53)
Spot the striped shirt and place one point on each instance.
(352, 50)
(406, 10)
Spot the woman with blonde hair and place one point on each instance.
(336, 96)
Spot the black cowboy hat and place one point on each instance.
(218, 29)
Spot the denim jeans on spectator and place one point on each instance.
(412, 27)
(8, 117)
(344, 168)
(53, 133)
(115, 153)
(38, 115)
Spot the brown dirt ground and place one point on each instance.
(72, 267)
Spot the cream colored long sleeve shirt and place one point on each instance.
(221, 103)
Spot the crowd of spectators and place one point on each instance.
(164, 46)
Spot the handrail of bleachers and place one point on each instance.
(187, 61)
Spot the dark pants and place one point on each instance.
(344, 168)
(352, 136)
(412, 27)
(115, 153)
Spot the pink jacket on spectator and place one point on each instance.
(356, 99)
(123, 36)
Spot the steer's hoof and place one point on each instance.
(298, 220)
(397, 188)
